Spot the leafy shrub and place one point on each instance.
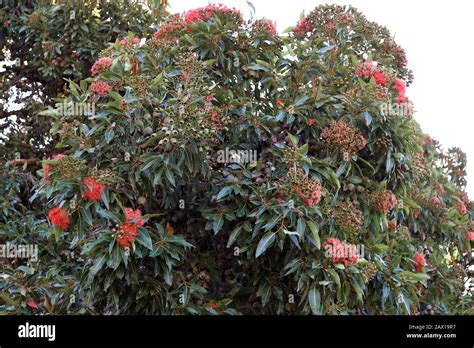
(189, 222)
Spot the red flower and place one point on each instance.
(94, 190)
(206, 13)
(436, 201)
(279, 102)
(134, 216)
(470, 236)
(387, 202)
(210, 98)
(311, 121)
(129, 229)
(365, 69)
(420, 262)
(302, 28)
(124, 42)
(400, 86)
(5, 24)
(59, 217)
(267, 25)
(100, 87)
(341, 252)
(100, 65)
(461, 207)
(380, 77)
(128, 233)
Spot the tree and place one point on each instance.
(347, 207)
(47, 43)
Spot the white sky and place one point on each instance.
(437, 37)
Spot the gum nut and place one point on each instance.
(351, 187)
(260, 180)
(167, 120)
(156, 114)
(429, 307)
(141, 200)
(360, 188)
(139, 123)
(432, 312)
(147, 116)
(148, 130)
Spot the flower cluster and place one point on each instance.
(341, 252)
(420, 262)
(47, 167)
(470, 236)
(368, 69)
(347, 217)
(369, 271)
(59, 217)
(365, 69)
(386, 201)
(129, 229)
(400, 86)
(461, 207)
(264, 27)
(308, 189)
(206, 13)
(126, 41)
(168, 32)
(101, 88)
(344, 137)
(102, 64)
(303, 27)
(94, 190)
(392, 225)
(380, 77)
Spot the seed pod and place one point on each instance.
(141, 200)
(148, 130)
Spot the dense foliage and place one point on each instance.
(46, 45)
(157, 204)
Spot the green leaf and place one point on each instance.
(264, 243)
(314, 299)
(217, 224)
(144, 239)
(367, 117)
(109, 135)
(301, 100)
(97, 265)
(414, 276)
(315, 233)
(335, 276)
(223, 192)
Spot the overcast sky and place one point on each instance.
(437, 36)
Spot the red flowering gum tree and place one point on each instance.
(241, 171)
